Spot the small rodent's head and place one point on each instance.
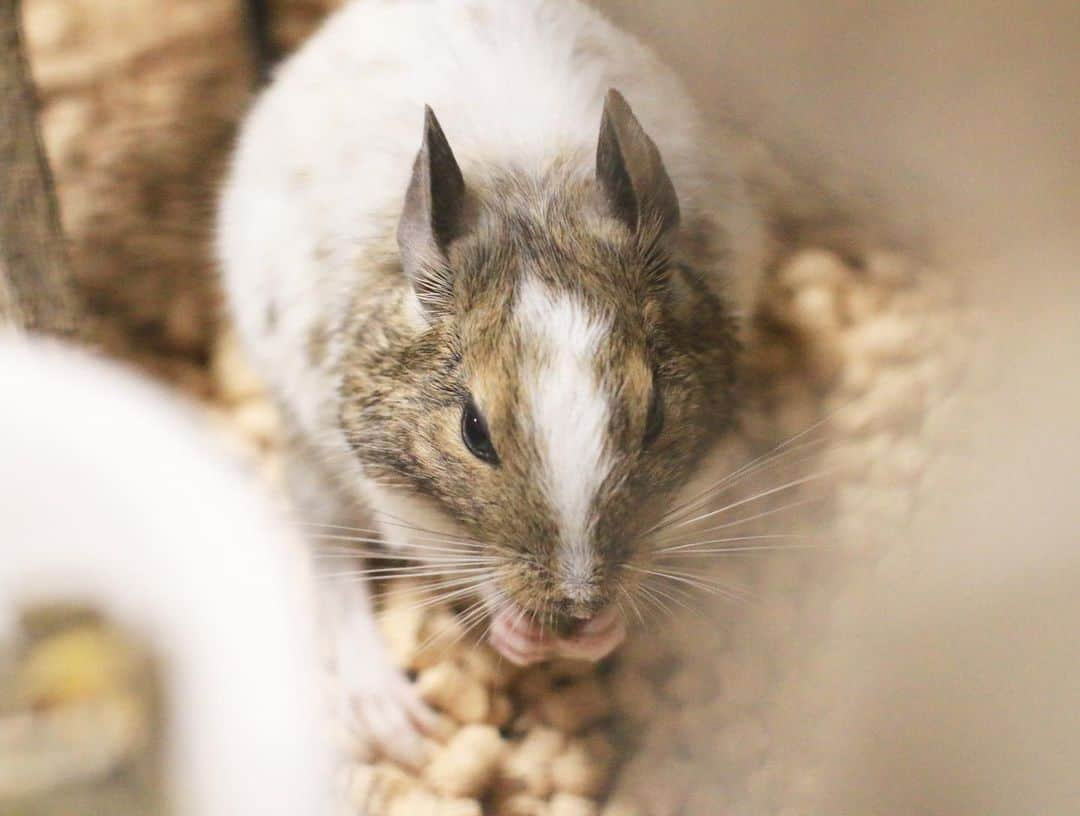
(564, 372)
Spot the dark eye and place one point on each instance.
(474, 432)
(654, 421)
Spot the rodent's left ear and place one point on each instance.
(630, 173)
(431, 217)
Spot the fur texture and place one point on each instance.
(541, 256)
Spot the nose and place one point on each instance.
(580, 592)
(585, 609)
(576, 613)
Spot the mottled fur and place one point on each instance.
(403, 384)
(539, 256)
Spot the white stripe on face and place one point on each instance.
(569, 413)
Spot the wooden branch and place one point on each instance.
(33, 257)
(10, 313)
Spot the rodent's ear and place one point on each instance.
(631, 175)
(431, 217)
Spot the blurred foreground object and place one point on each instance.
(78, 720)
(112, 498)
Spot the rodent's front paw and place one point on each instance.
(519, 638)
(387, 714)
(522, 641)
(596, 639)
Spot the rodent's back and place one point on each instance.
(324, 160)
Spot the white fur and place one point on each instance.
(110, 495)
(323, 161)
(325, 156)
(569, 412)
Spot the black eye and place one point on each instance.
(654, 421)
(474, 432)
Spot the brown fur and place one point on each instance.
(404, 384)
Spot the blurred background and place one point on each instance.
(945, 134)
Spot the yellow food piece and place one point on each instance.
(76, 664)
(450, 689)
(566, 804)
(467, 763)
(584, 767)
(488, 667)
(374, 788)
(577, 706)
(522, 804)
(419, 802)
(529, 766)
(402, 622)
(501, 711)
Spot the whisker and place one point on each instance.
(671, 517)
(499, 603)
(756, 497)
(775, 454)
(458, 588)
(660, 598)
(731, 539)
(411, 545)
(745, 520)
(731, 593)
(647, 596)
(745, 550)
(478, 618)
(675, 591)
(341, 537)
(344, 527)
(442, 540)
(411, 563)
(400, 522)
(387, 555)
(471, 615)
(438, 537)
(405, 572)
(632, 602)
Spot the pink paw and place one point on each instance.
(523, 642)
(387, 716)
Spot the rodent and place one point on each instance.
(481, 253)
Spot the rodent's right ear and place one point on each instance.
(431, 217)
(630, 172)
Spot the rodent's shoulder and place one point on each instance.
(512, 84)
